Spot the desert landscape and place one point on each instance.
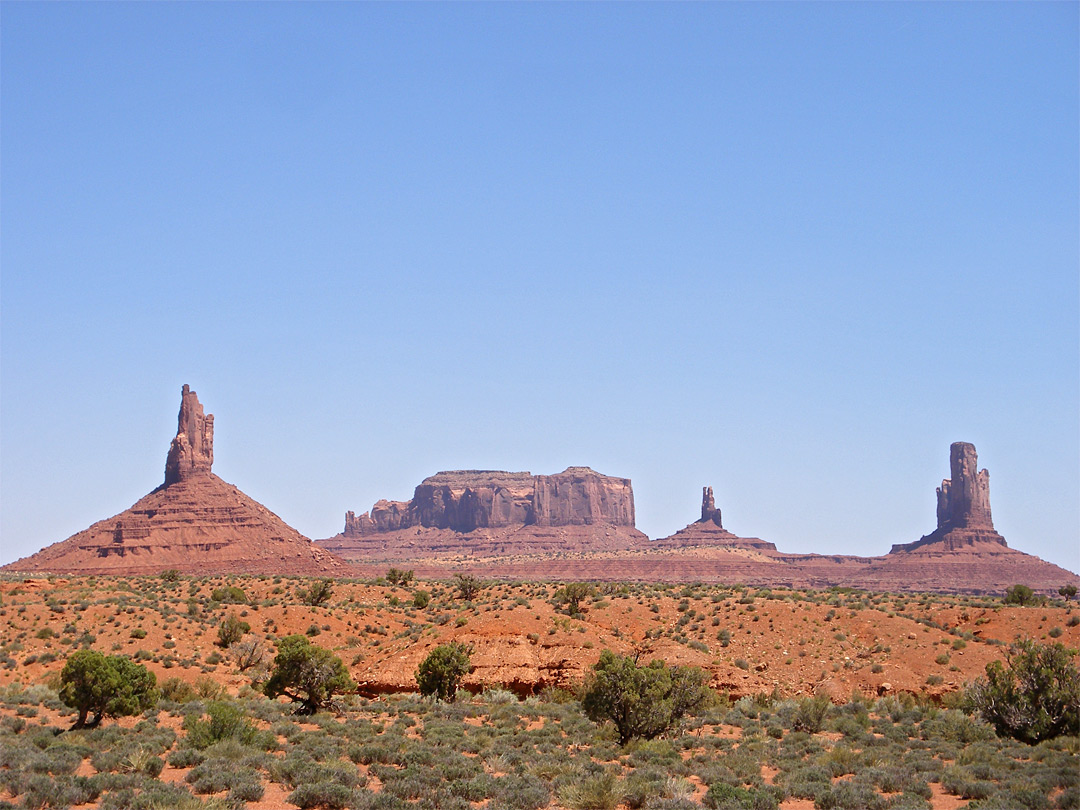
(582, 406)
(196, 651)
(820, 696)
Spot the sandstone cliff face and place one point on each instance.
(467, 500)
(963, 507)
(194, 522)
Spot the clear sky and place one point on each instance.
(791, 251)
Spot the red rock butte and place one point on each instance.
(484, 513)
(194, 522)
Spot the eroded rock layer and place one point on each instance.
(194, 522)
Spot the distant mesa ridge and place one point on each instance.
(494, 512)
(466, 500)
(577, 524)
(194, 522)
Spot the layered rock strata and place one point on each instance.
(492, 512)
(194, 522)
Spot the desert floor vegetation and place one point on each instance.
(822, 698)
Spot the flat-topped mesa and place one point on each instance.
(709, 512)
(192, 450)
(963, 505)
(466, 500)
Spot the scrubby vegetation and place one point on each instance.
(402, 751)
(877, 734)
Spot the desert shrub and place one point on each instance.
(468, 586)
(328, 795)
(848, 796)
(249, 791)
(231, 630)
(722, 796)
(186, 758)
(572, 594)
(642, 701)
(421, 599)
(601, 791)
(230, 594)
(224, 721)
(1034, 697)
(397, 577)
(959, 781)
(152, 795)
(137, 632)
(107, 686)
(440, 673)
(521, 792)
(39, 790)
(811, 714)
(318, 594)
(216, 774)
(1021, 595)
(307, 674)
(247, 654)
(171, 575)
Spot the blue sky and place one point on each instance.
(791, 251)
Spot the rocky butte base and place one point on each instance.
(194, 522)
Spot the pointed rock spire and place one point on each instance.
(709, 512)
(192, 451)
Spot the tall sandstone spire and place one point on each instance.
(963, 505)
(963, 501)
(709, 512)
(192, 450)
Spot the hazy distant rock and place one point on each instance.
(708, 530)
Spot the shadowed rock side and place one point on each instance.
(194, 522)
(491, 512)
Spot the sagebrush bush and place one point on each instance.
(1034, 696)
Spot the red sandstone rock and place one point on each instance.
(963, 508)
(495, 513)
(192, 451)
(194, 522)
